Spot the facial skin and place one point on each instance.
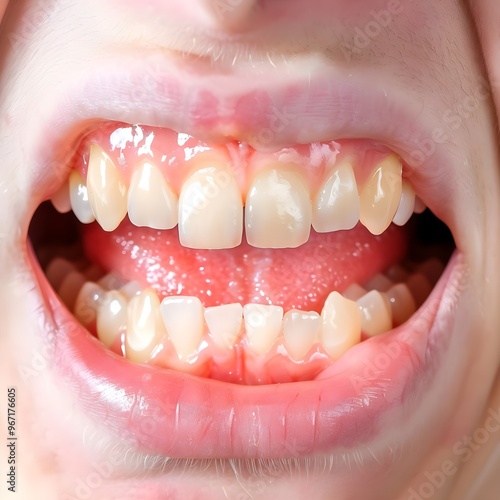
(430, 59)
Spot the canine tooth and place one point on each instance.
(379, 197)
(210, 210)
(278, 209)
(57, 270)
(107, 191)
(300, 331)
(419, 287)
(151, 200)
(183, 320)
(70, 287)
(87, 303)
(341, 325)
(111, 317)
(375, 313)
(145, 329)
(60, 200)
(432, 269)
(263, 326)
(420, 206)
(406, 204)
(336, 204)
(402, 303)
(354, 292)
(224, 324)
(378, 282)
(79, 198)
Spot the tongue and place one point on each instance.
(298, 278)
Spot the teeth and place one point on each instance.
(336, 205)
(432, 270)
(57, 270)
(130, 289)
(406, 205)
(70, 287)
(397, 274)
(210, 210)
(420, 206)
(375, 313)
(379, 282)
(224, 324)
(380, 196)
(354, 292)
(278, 210)
(79, 199)
(183, 320)
(300, 330)
(107, 191)
(111, 317)
(111, 281)
(341, 325)
(402, 303)
(420, 288)
(87, 303)
(60, 200)
(145, 329)
(263, 326)
(151, 200)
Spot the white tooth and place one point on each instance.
(79, 198)
(87, 303)
(224, 324)
(111, 281)
(375, 313)
(341, 325)
(420, 288)
(145, 329)
(130, 289)
(278, 209)
(107, 191)
(210, 210)
(379, 198)
(111, 317)
(262, 325)
(402, 303)
(336, 204)
(183, 319)
(378, 282)
(406, 205)
(432, 270)
(420, 206)
(151, 200)
(354, 292)
(70, 287)
(60, 200)
(300, 330)
(57, 270)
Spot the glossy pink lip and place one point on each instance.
(176, 415)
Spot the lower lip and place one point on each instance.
(181, 416)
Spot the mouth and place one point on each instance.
(218, 298)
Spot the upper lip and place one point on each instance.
(229, 106)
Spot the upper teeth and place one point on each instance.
(210, 208)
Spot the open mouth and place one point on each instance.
(224, 302)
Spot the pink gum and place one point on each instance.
(174, 153)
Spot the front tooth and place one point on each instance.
(380, 196)
(263, 326)
(224, 324)
(336, 205)
(111, 317)
(61, 200)
(278, 209)
(183, 320)
(79, 198)
(406, 205)
(210, 209)
(376, 315)
(300, 330)
(145, 329)
(402, 303)
(106, 189)
(151, 200)
(341, 325)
